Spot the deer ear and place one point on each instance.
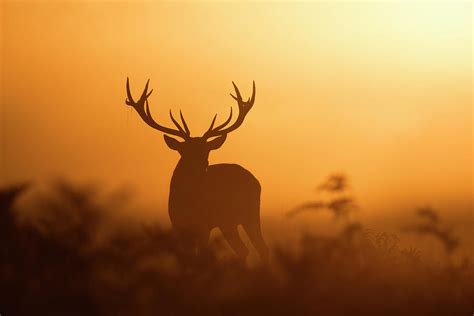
(172, 143)
(216, 143)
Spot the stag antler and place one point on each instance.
(143, 109)
(244, 108)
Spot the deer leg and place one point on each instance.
(255, 235)
(202, 242)
(231, 234)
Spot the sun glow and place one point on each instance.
(382, 90)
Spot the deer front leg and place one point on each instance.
(231, 234)
(202, 242)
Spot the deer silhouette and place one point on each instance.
(202, 196)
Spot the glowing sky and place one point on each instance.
(382, 92)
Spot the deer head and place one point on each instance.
(193, 150)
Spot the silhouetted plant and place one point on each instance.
(433, 227)
(336, 182)
(142, 269)
(340, 205)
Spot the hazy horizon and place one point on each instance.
(381, 92)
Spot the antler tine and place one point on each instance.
(143, 109)
(145, 95)
(226, 121)
(176, 123)
(129, 99)
(238, 97)
(212, 123)
(212, 130)
(252, 99)
(244, 108)
(184, 123)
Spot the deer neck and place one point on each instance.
(187, 175)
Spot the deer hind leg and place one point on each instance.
(254, 232)
(231, 234)
(202, 242)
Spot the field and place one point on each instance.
(69, 256)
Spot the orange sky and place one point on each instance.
(382, 92)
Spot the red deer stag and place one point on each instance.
(204, 196)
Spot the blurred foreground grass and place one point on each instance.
(70, 258)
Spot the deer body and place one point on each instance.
(218, 196)
(203, 196)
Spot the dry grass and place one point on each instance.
(62, 263)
